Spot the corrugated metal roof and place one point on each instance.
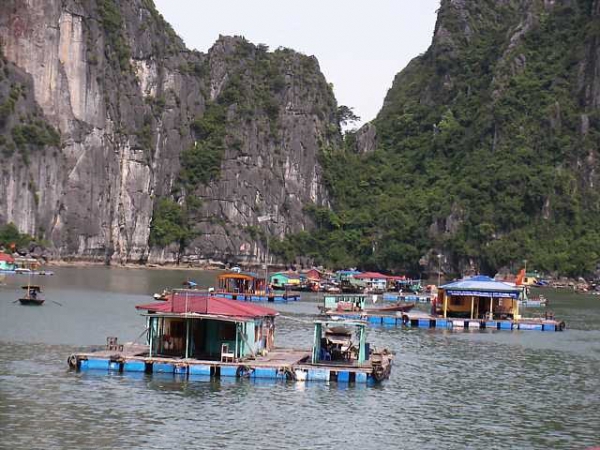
(200, 303)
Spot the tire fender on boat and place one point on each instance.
(379, 373)
(72, 361)
(244, 372)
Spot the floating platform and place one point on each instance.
(533, 304)
(31, 272)
(396, 297)
(271, 298)
(423, 320)
(279, 364)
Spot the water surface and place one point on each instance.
(450, 390)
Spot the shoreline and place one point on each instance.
(51, 264)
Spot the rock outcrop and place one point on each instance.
(125, 96)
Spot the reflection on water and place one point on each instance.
(447, 389)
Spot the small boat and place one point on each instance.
(535, 302)
(32, 296)
(340, 305)
(399, 306)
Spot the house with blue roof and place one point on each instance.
(479, 297)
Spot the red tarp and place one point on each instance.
(373, 275)
(200, 303)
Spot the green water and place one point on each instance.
(450, 390)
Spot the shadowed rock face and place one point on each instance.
(123, 91)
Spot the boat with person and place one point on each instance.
(33, 295)
(194, 335)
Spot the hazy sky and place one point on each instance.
(360, 45)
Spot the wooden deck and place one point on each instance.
(281, 357)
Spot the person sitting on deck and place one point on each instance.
(33, 293)
(324, 354)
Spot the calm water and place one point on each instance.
(447, 389)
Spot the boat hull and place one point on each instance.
(31, 301)
(399, 307)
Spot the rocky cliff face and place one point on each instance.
(129, 100)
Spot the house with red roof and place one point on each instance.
(7, 262)
(193, 324)
(375, 281)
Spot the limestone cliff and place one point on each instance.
(128, 101)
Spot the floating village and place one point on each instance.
(227, 331)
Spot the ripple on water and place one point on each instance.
(447, 390)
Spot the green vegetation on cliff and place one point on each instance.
(486, 152)
(169, 224)
(12, 239)
(201, 163)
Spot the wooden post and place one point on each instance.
(187, 338)
(472, 305)
(150, 336)
(491, 308)
(237, 330)
(445, 303)
(362, 350)
(161, 333)
(317, 344)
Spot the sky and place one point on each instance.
(360, 45)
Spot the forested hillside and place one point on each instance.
(486, 150)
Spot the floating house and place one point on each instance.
(479, 297)
(344, 275)
(402, 283)
(282, 280)
(27, 264)
(194, 325)
(250, 287)
(7, 262)
(313, 275)
(241, 282)
(375, 281)
(195, 335)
